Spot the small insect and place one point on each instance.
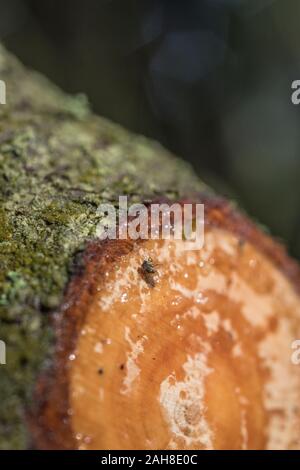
(147, 271)
(241, 242)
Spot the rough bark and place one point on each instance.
(58, 162)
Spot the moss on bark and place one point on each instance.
(58, 162)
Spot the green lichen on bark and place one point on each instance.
(58, 162)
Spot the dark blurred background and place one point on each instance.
(210, 79)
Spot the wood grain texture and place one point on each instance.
(202, 360)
